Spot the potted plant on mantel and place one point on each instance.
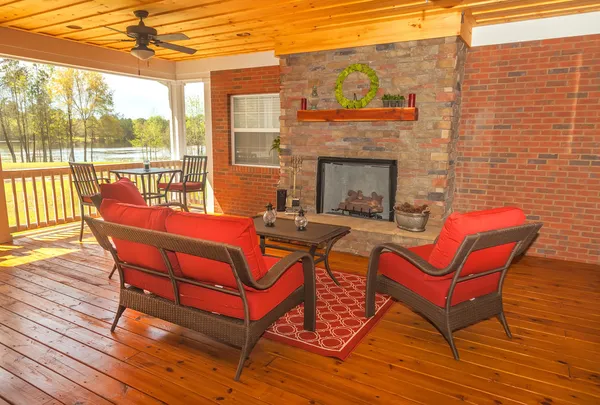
(411, 217)
(387, 100)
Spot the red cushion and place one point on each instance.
(237, 231)
(152, 218)
(259, 302)
(458, 226)
(189, 186)
(401, 271)
(124, 191)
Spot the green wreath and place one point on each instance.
(339, 84)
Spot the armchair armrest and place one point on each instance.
(409, 256)
(187, 176)
(310, 287)
(173, 204)
(104, 179)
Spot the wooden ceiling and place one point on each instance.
(226, 27)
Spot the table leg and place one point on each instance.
(262, 244)
(326, 259)
(144, 194)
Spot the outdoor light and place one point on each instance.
(142, 52)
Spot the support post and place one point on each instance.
(210, 195)
(177, 105)
(5, 236)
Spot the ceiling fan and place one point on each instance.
(144, 36)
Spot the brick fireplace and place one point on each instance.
(425, 150)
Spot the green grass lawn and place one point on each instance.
(38, 165)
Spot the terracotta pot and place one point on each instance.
(414, 222)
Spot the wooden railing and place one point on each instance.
(43, 197)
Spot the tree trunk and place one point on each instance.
(70, 118)
(84, 141)
(7, 140)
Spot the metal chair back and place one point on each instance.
(85, 180)
(194, 168)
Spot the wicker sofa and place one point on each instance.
(202, 272)
(456, 281)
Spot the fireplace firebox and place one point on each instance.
(357, 187)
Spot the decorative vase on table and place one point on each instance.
(314, 98)
(270, 216)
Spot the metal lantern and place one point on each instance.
(270, 215)
(301, 221)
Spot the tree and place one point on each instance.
(92, 98)
(40, 109)
(194, 122)
(64, 89)
(151, 135)
(5, 124)
(15, 78)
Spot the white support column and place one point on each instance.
(210, 195)
(177, 104)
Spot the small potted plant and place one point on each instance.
(411, 217)
(402, 101)
(387, 99)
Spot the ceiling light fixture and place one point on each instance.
(243, 34)
(74, 27)
(142, 52)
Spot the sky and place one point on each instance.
(141, 98)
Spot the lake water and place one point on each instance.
(113, 154)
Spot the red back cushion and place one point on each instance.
(152, 218)
(124, 191)
(458, 226)
(235, 231)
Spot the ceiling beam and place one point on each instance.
(35, 47)
(423, 26)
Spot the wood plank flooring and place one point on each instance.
(56, 306)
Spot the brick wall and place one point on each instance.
(424, 149)
(240, 190)
(530, 136)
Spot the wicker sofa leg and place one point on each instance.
(112, 271)
(450, 339)
(82, 223)
(120, 311)
(502, 320)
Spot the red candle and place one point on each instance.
(303, 103)
(412, 99)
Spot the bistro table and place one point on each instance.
(314, 236)
(148, 194)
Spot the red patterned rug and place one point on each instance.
(341, 322)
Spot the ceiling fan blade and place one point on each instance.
(113, 40)
(114, 29)
(171, 37)
(174, 47)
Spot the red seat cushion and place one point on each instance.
(236, 231)
(436, 290)
(87, 199)
(458, 226)
(189, 186)
(152, 218)
(124, 191)
(259, 302)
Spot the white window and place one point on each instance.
(254, 127)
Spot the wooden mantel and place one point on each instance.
(364, 114)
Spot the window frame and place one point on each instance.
(232, 128)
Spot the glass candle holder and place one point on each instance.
(301, 221)
(270, 216)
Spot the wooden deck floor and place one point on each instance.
(56, 305)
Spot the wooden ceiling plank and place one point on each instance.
(347, 16)
(16, 11)
(512, 5)
(531, 6)
(406, 29)
(540, 14)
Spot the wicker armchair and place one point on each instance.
(172, 289)
(465, 291)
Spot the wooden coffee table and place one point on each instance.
(313, 237)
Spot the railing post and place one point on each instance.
(5, 235)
